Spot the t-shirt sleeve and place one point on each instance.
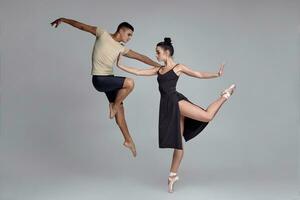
(125, 50)
(99, 31)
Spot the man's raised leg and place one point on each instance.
(128, 86)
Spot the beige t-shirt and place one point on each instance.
(105, 53)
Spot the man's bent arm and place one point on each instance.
(134, 55)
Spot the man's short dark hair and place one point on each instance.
(125, 25)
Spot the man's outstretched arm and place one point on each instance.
(76, 24)
(142, 58)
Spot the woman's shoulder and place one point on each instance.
(178, 66)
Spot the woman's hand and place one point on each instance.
(221, 70)
(139, 72)
(119, 60)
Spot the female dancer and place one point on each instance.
(178, 117)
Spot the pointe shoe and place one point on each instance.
(171, 181)
(228, 92)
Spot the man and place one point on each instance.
(107, 47)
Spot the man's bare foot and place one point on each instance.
(112, 110)
(131, 146)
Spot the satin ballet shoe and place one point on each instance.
(171, 180)
(228, 92)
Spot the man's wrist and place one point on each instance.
(64, 19)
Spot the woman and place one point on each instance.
(178, 117)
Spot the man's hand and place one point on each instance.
(56, 22)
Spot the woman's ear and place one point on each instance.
(168, 53)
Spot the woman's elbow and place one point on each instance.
(199, 75)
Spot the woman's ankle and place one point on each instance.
(172, 174)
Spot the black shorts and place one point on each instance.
(109, 84)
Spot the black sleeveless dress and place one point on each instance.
(169, 114)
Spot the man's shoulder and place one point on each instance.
(100, 30)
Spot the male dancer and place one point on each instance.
(107, 47)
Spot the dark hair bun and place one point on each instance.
(167, 45)
(167, 40)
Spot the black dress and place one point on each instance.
(169, 114)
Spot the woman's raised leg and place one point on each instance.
(190, 110)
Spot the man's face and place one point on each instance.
(126, 34)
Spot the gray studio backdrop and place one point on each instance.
(55, 126)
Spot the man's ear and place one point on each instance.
(122, 30)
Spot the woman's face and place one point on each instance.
(161, 54)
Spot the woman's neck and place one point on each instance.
(169, 63)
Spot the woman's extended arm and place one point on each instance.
(200, 74)
(139, 72)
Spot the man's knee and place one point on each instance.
(129, 83)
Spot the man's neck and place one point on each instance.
(116, 37)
